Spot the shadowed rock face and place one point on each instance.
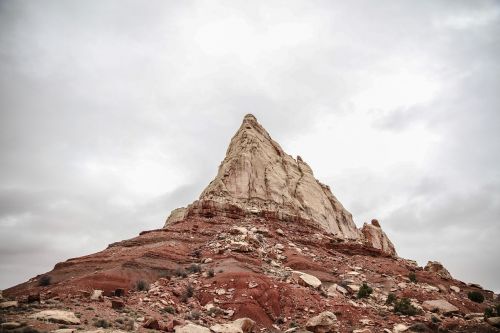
(258, 176)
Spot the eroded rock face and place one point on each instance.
(258, 176)
(374, 236)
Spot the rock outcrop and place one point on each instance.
(325, 322)
(439, 305)
(374, 236)
(258, 178)
(438, 268)
(57, 316)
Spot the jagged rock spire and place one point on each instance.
(257, 175)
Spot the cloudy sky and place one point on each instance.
(113, 113)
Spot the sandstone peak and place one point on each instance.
(257, 176)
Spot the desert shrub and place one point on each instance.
(180, 272)
(194, 315)
(210, 273)
(126, 324)
(169, 309)
(45, 280)
(391, 298)
(413, 277)
(364, 291)
(102, 323)
(294, 324)
(404, 306)
(489, 312)
(492, 312)
(194, 268)
(475, 296)
(141, 285)
(188, 292)
(214, 311)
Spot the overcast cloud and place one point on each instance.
(113, 113)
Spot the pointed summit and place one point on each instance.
(258, 177)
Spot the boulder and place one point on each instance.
(117, 304)
(96, 295)
(57, 316)
(400, 328)
(152, 324)
(439, 305)
(32, 298)
(438, 268)
(455, 289)
(242, 325)
(306, 279)
(191, 328)
(353, 287)
(323, 323)
(494, 321)
(10, 325)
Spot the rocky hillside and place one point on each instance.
(266, 248)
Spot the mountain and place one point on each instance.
(257, 178)
(266, 247)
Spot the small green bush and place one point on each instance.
(403, 306)
(413, 277)
(169, 309)
(194, 268)
(180, 272)
(488, 312)
(391, 298)
(492, 312)
(188, 292)
(45, 280)
(210, 273)
(194, 315)
(142, 285)
(102, 323)
(476, 296)
(364, 291)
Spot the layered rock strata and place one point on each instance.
(257, 178)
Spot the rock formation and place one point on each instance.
(266, 248)
(258, 178)
(376, 238)
(438, 268)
